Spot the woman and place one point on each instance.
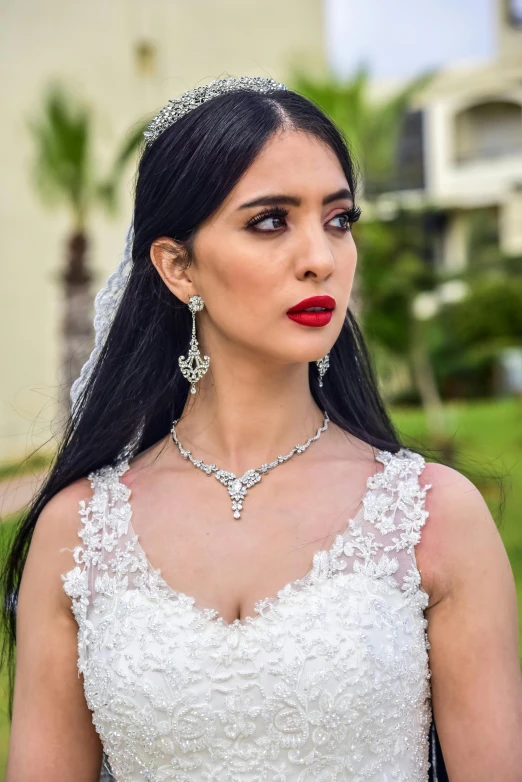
(299, 617)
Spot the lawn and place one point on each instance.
(488, 437)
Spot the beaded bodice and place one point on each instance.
(328, 681)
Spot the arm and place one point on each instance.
(53, 738)
(473, 631)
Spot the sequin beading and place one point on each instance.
(329, 681)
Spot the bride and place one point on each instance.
(234, 571)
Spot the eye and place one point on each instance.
(279, 213)
(350, 215)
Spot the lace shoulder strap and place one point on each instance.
(383, 537)
(104, 518)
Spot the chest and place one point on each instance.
(231, 564)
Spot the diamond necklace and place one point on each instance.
(238, 487)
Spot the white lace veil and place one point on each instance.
(105, 306)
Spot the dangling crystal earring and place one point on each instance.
(194, 367)
(322, 365)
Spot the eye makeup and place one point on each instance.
(279, 212)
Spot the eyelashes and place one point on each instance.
(356, 212)
(279, 212)
(353, 214)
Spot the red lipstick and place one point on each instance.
(300, 312)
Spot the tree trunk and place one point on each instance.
(77, 329)
(429, 392)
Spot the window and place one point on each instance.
(488, 130)
(515, 13)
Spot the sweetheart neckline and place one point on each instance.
(263, 605)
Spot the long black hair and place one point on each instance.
(183, 177)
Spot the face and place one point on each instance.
(255, 262)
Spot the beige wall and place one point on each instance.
(91, 46)
(511, 223)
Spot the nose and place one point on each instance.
(314, 254)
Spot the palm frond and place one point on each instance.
(62, 165)
(371, 127)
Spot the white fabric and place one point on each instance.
(106, 303)
(328, 681)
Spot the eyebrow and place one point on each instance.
(271, 200)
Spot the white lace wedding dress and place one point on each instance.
(328, 681)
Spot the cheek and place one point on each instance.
(242, 290)
(249, 289)
(244, 279)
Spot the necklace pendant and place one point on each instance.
(238, 488)
(237, 493)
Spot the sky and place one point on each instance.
(400, 38)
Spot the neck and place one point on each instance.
(248, 416)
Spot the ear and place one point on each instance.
(170, 259)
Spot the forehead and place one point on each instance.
(291, 162)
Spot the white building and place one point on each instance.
(462, 151)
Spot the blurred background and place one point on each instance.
(430, 98)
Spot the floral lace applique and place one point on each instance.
(329, 681)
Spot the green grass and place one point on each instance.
(488, 436)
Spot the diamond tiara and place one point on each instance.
(191, 99)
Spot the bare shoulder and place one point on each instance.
(55, 536)
(459, 531)
(59, 517)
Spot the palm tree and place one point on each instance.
(399, 288)
(372, 127)
(64, 176)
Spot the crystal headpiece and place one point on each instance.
(178, 107)
(107, 300)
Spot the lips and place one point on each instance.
(313, 301)
(299, 314)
